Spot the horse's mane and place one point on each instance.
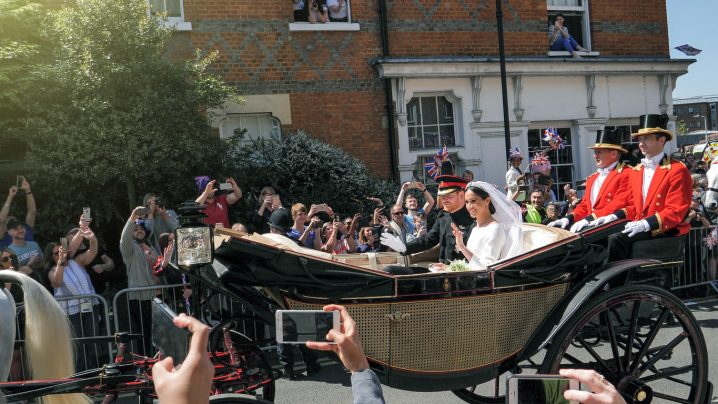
(47, 336)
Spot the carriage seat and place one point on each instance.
(375, 261)
(537, 235)
(666, 248)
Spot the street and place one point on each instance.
(332, 383)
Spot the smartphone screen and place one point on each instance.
(86, 215)
(63, 243)
(300, 326)
(536, 389)
(166, 336)
(225, 186)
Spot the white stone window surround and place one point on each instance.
(176, 22)
(262, 125)
(458, 118)
(328, 26)
(574, 6)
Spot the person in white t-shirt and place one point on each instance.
(338, 10)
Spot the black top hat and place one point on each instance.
(450, 183)
(281, 219)
(653, 124)
(609, 140)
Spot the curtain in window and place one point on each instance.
(565, 3)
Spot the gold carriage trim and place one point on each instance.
(451, 334)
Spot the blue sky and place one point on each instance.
(694, 22)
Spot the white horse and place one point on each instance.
(711, 202)
(47, 335)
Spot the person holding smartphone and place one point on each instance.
(217, 209)
(69, 277)
(560, 40)
(30, 215)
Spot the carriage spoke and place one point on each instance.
(667, 375)
(670, 398)
(614, 342)
(649, 340)
(662, 353)
(631, 334)
(597, 357)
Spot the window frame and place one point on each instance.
(177, 23)
(223, 131)
(583, 9)
(457, 116)
(555, 157)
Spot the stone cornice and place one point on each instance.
(538, 66)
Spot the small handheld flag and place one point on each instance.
(433, 168)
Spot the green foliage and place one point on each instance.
(23, 45)
(304, 169)
(116, 117)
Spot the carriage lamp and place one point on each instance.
(193, 238)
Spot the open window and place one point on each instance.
(576, 18)
(173, 9)
(337, 16)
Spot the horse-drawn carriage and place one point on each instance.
(557, 305)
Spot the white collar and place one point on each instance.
(608, 169)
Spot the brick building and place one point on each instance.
(692, 110)
(435, 63)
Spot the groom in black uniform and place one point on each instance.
(451, 192)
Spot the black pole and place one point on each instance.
(504, 91)
(384, 32)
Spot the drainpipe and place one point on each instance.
(384, 32)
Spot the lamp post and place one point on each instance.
(705, 126)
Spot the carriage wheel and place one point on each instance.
(236, 399)
(643, 339)
(470, 395)
(256, 377)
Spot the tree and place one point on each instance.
(116, 116)
(23, 45)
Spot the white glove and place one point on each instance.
(562, 223)
(633, 228)
(393, 242)
(605, 219)
(580, 225)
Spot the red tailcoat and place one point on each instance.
(667, 200)
(612, 196)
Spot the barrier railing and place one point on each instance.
(700, 263)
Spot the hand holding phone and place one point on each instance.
(166, 337)
(300, 326)
(539, 389)
(63, 243)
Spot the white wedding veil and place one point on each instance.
(508, 215)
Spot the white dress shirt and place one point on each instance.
(649, 168)
(596, 187)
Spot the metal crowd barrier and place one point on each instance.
(700, 261)
(89, 353)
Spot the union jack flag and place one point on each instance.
(688, 50)
(553, 139)
(433, 168)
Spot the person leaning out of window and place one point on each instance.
(318, 11)
(338, 10)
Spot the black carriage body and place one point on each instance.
(424, 332)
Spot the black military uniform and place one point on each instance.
(441, 232)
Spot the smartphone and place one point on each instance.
(413, 184)
(225, 186)
(18, 181)
(166, 336)
(539, 389)
(63, 243)
(142, 211)
(86, 215)
(300, 326)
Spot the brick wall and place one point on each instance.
(636, 28)
(337, 96)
